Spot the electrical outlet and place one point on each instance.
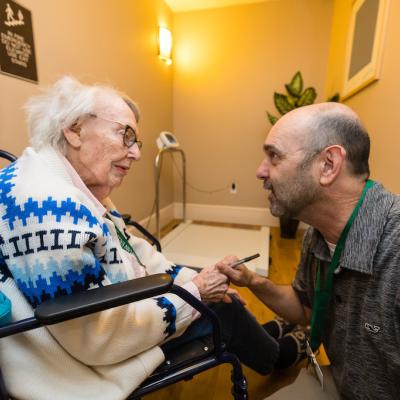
(233, 188)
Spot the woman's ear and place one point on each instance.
(331, 164)
(73, 135)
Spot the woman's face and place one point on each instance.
(96, 148)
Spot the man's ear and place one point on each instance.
(73, 136)
(331, 163)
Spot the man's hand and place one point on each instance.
(240, 276)
(212, 284)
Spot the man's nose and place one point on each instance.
(262, 171)
(134, 152)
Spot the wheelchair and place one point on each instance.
(180, 364)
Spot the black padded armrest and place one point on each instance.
(77, 305)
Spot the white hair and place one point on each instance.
(60, 106)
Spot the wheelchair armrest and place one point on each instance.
(84, 303)
(79, 304)
(68, 307)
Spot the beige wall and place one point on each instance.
(100, 41)
(376, 104)
(227, 64)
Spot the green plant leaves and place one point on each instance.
(308, 97)
(272, 118)
(296, 85)
(295, 97)
(292, 100)
(282, 104)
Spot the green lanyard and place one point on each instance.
(124, 242)
(322, 295)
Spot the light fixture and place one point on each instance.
(165, 44)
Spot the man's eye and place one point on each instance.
(273, 156)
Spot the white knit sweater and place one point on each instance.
(55, 242)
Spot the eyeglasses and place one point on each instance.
(129, 134)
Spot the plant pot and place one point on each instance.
(288, 227)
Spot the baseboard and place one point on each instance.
(214, 213)
(228, 214)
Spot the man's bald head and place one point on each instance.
(326, 124)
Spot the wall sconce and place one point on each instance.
(165, 44)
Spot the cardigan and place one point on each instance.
(55, 241)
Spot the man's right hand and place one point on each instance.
(240, 276)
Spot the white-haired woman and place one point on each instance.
(61, 234)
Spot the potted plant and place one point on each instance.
(295, 97)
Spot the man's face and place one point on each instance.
(103, 160)
(291, 182)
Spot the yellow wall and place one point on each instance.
(100, 41)
(377, 103)
(227, 64)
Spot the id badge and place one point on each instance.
(312, 360)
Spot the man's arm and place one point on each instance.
(283, 300)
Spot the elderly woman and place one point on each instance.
(60, 234)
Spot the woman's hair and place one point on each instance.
(60, 106)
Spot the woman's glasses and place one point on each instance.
(129, 134)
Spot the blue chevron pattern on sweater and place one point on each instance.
(169, 314)
(42, 280)
(13, 211)
(173, 271)
(115, 213)
(54, 285)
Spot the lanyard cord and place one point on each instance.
(125, 243)
(323, 296)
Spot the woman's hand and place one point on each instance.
(212, 284)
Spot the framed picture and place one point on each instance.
(17, 50)
(365, 44)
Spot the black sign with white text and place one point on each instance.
(17, 51)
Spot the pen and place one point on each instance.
(244, 260)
